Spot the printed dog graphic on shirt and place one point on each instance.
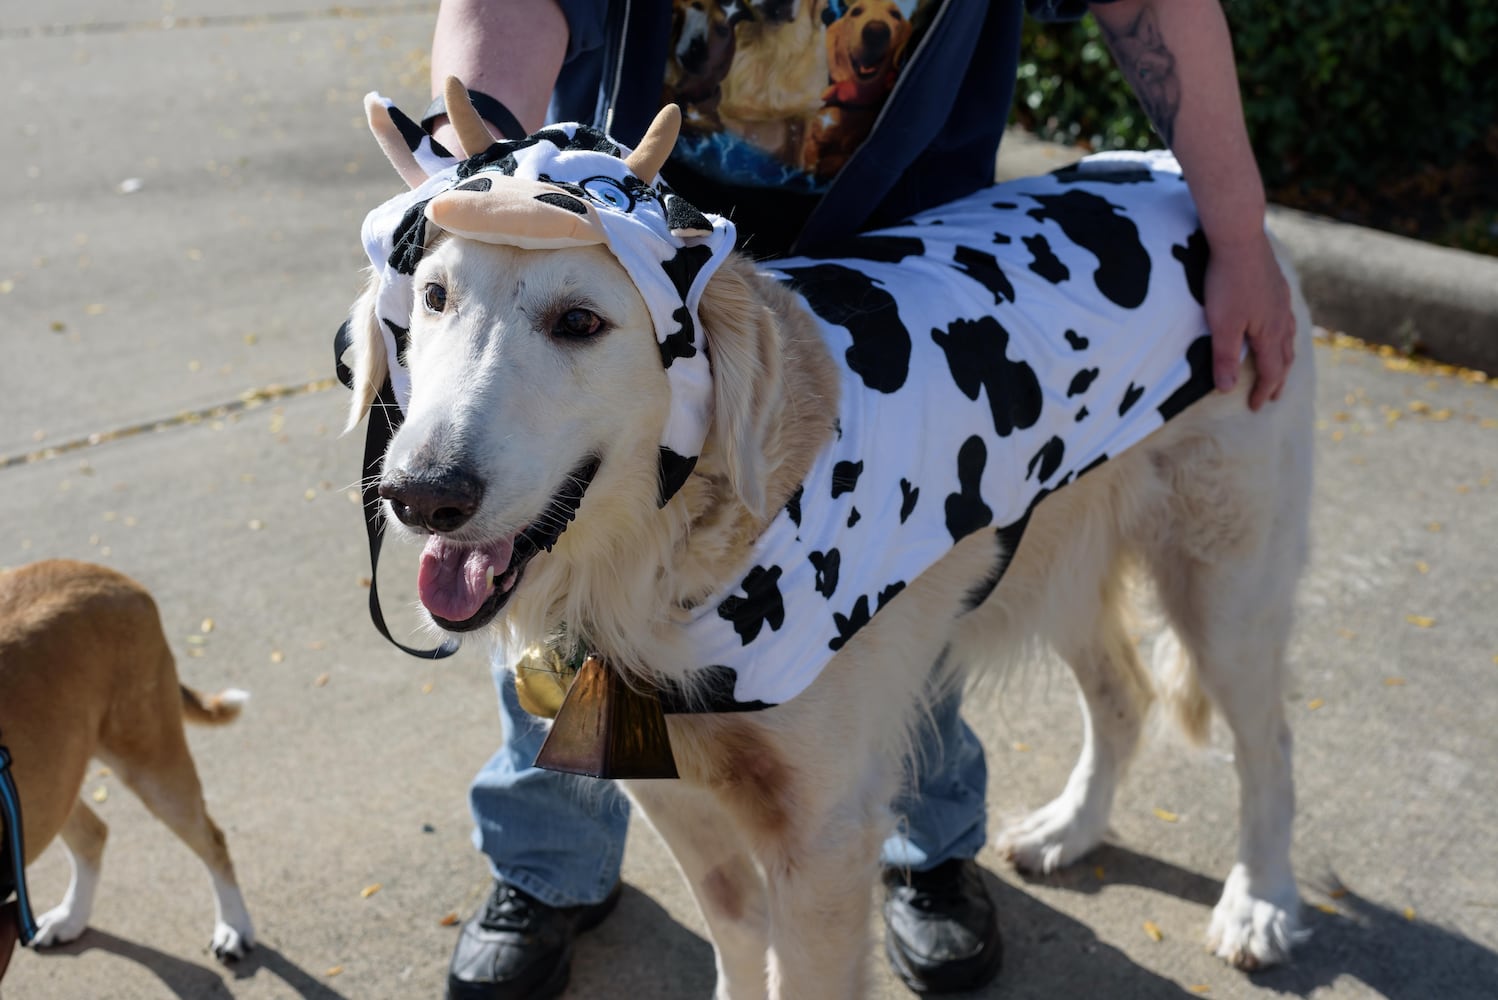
(864, 50)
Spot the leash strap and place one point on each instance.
(11, 847)
(384, 419)
(491, 109)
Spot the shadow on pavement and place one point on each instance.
(641, 950)
(1122, 866)
(1390, 954)
(191, 981)
(1047, 954)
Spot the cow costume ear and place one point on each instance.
(473, 135)
(394, 132)
(660, 138)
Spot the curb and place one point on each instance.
(1377, 286)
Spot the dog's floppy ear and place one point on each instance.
(369, 365)
(742, 343)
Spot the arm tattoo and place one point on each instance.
(1150, 69)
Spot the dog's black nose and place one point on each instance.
(439, 500)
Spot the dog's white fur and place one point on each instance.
(779, 818)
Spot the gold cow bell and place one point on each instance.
(607, 729)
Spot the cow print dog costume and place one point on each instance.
(996, 348)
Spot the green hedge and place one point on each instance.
(1350, 103)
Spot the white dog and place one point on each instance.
(537, 380)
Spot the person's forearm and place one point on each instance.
(511, 50)
(1178, 57)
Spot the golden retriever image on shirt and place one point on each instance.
(865, 48)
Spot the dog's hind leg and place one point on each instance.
(1115, 695)
(83, 834)
(728, 887)
(167, 782)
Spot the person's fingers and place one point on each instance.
(1227, 348)
(1272, 367)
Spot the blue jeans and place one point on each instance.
(560, 837)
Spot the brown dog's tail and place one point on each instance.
(212, 709)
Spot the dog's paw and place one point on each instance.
(60, 925)
(231, 943)
(1252, 932)
(1053, 836)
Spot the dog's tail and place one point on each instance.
(1180, 689)
(212, 709)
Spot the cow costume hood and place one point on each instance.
(567, 185)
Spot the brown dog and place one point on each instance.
(864, 49)
(85, 671)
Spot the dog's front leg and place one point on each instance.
(712, 854)
(821, 880)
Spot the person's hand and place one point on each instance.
(1247, 296)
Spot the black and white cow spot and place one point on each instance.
(848, 625)
(985, 270)
(1076, 341)
(976, 355)
(888, 594)
(826, 565)
(966, 511)
(563, 200)
(793, 506)
(402, 341)
(854, 517)
(685, 265)
(880, 354)
(1194, 256)
(1198, 384)
(1094, 224)
(761, 604)
(859, 615)
(845, 477)
(909, 493)
(1044, 261)
(1130, 397)
(1081, 382)
(409, 240)
(679, 343)
(1081, 415)
(1048, 458)
(672, 472)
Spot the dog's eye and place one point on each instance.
(577, 323)
(434, 297)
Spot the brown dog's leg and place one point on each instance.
(170, 789)
(83, 834)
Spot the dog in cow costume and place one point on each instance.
(817, 534)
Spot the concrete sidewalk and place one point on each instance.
(183, 201)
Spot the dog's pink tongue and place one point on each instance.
(454, 580)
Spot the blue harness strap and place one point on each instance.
(12, 850)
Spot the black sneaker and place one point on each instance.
(517, 947)
(941, 931)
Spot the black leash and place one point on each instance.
(383, 421)
(12, 850)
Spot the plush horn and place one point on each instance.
(473, 135)
(392, 139)
(650, 155)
